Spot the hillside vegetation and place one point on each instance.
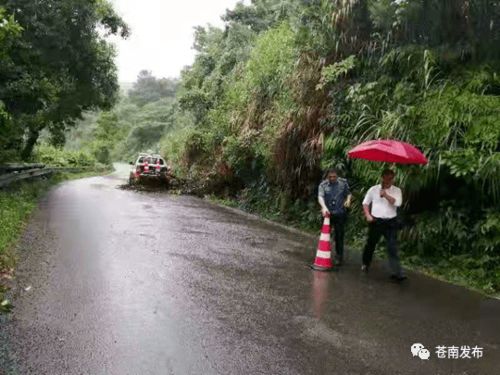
(288, 87)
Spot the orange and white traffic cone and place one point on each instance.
(146, 167)
(323, 261)
(158, 166)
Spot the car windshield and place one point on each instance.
(150, 160)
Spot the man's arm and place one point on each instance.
(366, 205)
(347, 202)
(324, 209)
(321, 201)
(395, 200)
(368, 215)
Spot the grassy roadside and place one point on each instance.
(16, 205)
(466, 273)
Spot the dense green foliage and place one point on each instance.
(56, 157)
(14, 210)
(136, 123)
(289, 86)
(54, 64)
(149, 89)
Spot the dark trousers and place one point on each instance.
(338, 225)
(388, 229)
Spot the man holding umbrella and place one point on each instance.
(384, 200)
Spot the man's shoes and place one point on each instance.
(364, 268)
(399, 278)
(338, 261)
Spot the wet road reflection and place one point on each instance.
(320, 294)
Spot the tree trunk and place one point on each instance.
(30, 144)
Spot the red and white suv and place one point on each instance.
(149, 167)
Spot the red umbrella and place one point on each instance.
(389, 151)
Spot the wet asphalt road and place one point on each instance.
(126, 282)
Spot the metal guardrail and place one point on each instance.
(7, 168)
(11, 173)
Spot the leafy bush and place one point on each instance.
(55, 157)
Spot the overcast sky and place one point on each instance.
(162, 34)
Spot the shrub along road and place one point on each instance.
(114, 281)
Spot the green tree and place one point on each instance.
(10, 32)
(59, 67)
(148, 89)
(104, 137)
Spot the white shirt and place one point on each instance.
(381, 208)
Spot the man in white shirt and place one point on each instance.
(382, 221)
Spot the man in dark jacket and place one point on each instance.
(334, 197)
